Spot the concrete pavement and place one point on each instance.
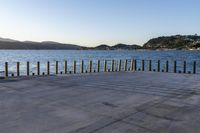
(139, 102)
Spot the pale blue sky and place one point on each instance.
(94, 22)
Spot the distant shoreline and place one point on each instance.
(104, 50)
(165, 43)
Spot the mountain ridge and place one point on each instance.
(164, 42)
(6, 43)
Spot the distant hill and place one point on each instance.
(165, 42)
(102, 47)
(174, 42)
(13, 44)
(6, 43)
(125, 46)
(117, 47)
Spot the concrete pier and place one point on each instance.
(123, 102)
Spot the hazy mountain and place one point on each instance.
(7, 40)
(165, 42)
(13, 44)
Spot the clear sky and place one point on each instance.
(94, 22)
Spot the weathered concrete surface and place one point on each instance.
(101, 103)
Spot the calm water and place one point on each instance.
(13, 56)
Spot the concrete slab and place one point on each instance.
(101, 103)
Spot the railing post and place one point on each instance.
(119, 65)
(27, 68)
(98, 66)
(167, 66)
(112, 65)
(125, 65)
(48, 68)
(105, 66)
(82, 66)
(150, 65)
(38, 68)
(90, 66)
(6, 69)
(18, 69)
(74, 67)
(194, 67)
(142, 65)
(175, 65)
(184, 67)
(158, 69)
(56, 67)
(65, 67)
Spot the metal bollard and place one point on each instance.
(175, 65)
(105, 66)
(18, 69)
(112, 66)
(135, 65)
(65, 67)
(6, 69)
(158, 69)
(184, 67)
(82, 66)
(48, 68)
(27, 68)
(90, 66)
(142, 65)
(98, 66)
(119, 65)
(56, 67)
(194, 67)
(74, 67)
(132, 65)
(150, 65)
(125, 65)
(167, 66)
(38, 68)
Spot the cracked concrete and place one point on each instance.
(139, 102)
